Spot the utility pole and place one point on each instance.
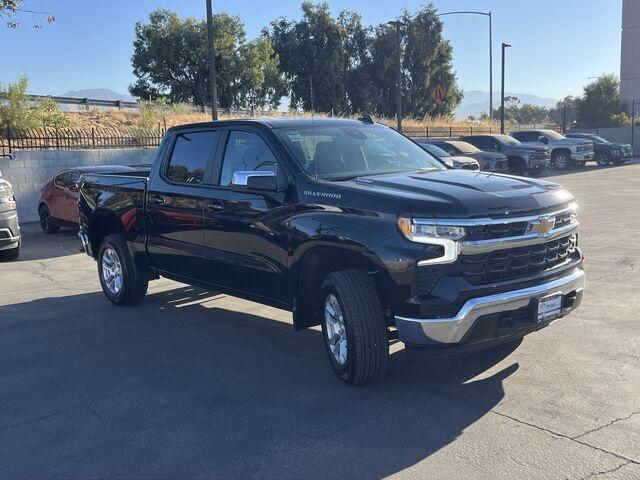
(212, 63)
(504, 47)
(398, 24)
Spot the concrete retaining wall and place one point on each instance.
(29, 170)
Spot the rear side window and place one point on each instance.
(64, 179)
(190, 156)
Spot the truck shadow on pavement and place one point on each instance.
(180, 386)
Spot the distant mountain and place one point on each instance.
(99, 94)
(475, 102)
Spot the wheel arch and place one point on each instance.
(101, 224)
(320, 259)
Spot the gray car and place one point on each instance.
(9, 227)
(523, 159)
(452, 161)
(489, 161)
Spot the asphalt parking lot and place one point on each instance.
(196, 384)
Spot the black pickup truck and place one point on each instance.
(347, 224)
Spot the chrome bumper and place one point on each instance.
(453, 329)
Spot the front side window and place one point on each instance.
(191, 153)
(246, 151)
(339, 152)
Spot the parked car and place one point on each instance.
(489, 161)
(606, 152)
(457, 161)
(522, 159)
(565, 152)
(58, 204)
(349, 225)
(10, 239)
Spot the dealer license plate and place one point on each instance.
(549, 308)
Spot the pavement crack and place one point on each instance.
(567, 437)
(604, 472)
(615, 420)
(36, 419)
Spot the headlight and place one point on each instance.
(573, 207)
(7, 199)
(426, 231)
(431, 233)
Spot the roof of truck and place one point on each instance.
(276, 122)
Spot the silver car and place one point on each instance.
(452, 161)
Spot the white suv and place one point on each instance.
(565, 152)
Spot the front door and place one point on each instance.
(246, 240)
(175, 203)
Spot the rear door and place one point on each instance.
(175, 203)
(245, 234)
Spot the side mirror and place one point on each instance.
(262, 180)
(543, 139)
(74, 187)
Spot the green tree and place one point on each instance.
(565, 110)
(49, 114)
(427, 63)
(600, 103)
(15, 111)
(261, 83)
(170, 60)
(312, 58)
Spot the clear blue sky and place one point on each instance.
(557, 44)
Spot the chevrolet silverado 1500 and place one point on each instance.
(349, 225)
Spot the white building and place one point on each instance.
(630, 57)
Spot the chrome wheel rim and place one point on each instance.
(336, 331)
(112, 271)
(561, 161)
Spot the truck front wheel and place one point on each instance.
(122, 283)
(354, 329)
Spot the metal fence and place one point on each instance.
(53, 139)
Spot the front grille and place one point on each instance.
(517, 262)
(505, 230)
(584, 148)
(627, 150)
(470, 166)
(541, 155)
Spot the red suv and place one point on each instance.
(58, 205)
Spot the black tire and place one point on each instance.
(134, 283)
(47, 224)
(581, 164)
(561, 160)
(517, 166)
(622, 161)
(11, 254)
(603, 159)
(367, 333)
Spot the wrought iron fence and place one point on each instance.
(54, 139)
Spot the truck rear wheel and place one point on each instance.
(355, 332)
(121, 281)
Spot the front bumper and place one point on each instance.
(582, 156)
(454, 330)
(9, 230)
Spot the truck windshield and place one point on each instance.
(340, 152)
(465, 147)
(506, 140)
(435, 150)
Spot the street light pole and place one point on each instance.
(488, 15)
(398, 24)
(504, 47)
(212, 63)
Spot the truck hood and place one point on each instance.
(463, 193)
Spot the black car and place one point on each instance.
(9, 226)
(347, 224)
(606, 152)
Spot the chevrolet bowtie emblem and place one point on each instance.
(542, 226)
